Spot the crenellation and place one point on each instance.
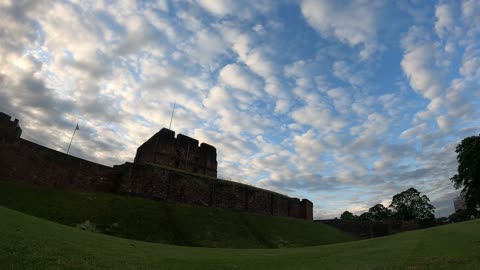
(208, 158)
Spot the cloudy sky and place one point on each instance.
(343, 102)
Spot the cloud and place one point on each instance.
(232, 111)
(351, 22)
(259, 62)
(471, 64)
(470, 11)
(318, 114)
(444, 21)
(344, 72)
(417, 64)
(308, 149)
(235, 76)
(309, 182)
(221, 8)
(234, 8)
(341, 99)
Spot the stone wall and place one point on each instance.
(160, 183)
(25, 161)
(181, 152)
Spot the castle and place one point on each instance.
(181, 152)
(167, 168)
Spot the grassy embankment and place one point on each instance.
(31, 243)
(160, 222)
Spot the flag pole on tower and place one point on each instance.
(76, 128)
(171, 118)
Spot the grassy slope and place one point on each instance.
(27, 242)
(160, 222)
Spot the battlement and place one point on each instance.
(9, 129)
(182, 152)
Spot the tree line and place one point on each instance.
(409, 204)
(406, 205)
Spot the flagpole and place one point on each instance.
(76, 128)
(171, 118)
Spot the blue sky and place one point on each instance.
(343, 102)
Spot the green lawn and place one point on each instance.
(27, 242)
(160, 222)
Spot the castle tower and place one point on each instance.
(181, 153)
(9, 130)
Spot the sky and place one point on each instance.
(346, 103)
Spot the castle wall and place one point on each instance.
(294, 208)
(26, 161)
(155, 182)
(229, 196)
(306, 210)
(280, 206)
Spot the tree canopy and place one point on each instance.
(468, 171)
(347, 216)
(379, 212)
(406, 205)
(365, 217)
(409, 205)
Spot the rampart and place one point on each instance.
(25, 161)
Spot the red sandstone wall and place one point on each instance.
(159, 183)
(306, 209)
(22, 160)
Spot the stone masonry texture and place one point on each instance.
(182, 152)
(165, 168)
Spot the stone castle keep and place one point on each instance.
(167, 168)
(181, 152)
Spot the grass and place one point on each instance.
(27, 242)
(160, 222)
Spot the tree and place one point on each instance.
(468, 171)
(348, 216)
(459, 215)
(408, 205)
(379, 212)
(365, 217)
